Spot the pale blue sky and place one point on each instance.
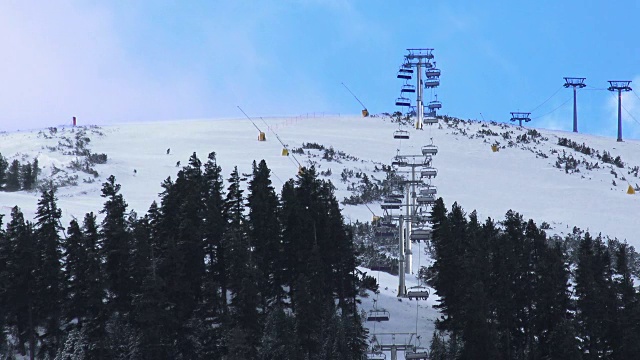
(119, 61)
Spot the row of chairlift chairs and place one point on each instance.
(425, 196)
(432, 80)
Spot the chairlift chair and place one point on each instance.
(419, 293)
(432, 72)
(430, 119)
(384, 234)
(405, 74)
(433, 105)
(376, 355)
(428, 173)
(429, 190)
(387, 224)
(407, 88)
(425, 218)
(391, 204)
(416, 355)
(401, 134)
(403, 101)
(421, 234)
(429, 150)
(426, 199)
(399, 161)
(378, 315)
(432, 82)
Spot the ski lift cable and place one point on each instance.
(625, 109)
(549, 98)
(561, 105)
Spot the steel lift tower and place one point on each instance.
(620, 86)
(421, 59)
(574, 83)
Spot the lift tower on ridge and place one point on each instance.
(620, 86)
(574, 83)
(419, 59)
(520, 116)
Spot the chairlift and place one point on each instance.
(384, 234)
(376, 355)
(426, 199)
(408, 88)
(428, 172)
(405, 74)
(378, 315)
(416, 355)
(423, 218)
(391, 204)
(429, 150)
(430, 120)
(434, 105)
(421, 234)
(387, 224)
(419, 293)
(432, 72)
(403, 101)
(429, 190)
(401, 134)
(432, 82)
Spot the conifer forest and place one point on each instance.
(209, 272)
(227, 268)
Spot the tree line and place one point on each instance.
(15, 176)
(509, 291)
(207, 273)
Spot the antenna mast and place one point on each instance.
(620, 86)
(574, 83)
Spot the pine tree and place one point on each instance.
(478, 334)
(245, 321)
(278, 341)
(13, 177)
(26, 175)
(4, 165)
(93, 291)
(115, 247)
(6, 255)
(49, 275)
(35, 171)
(625, 337)
(215, 224)
(594, 292)
(264, 235)
(21, 288)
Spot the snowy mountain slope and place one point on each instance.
(522, 176)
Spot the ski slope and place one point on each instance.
(517, 177)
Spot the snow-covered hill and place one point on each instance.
(531, 173)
